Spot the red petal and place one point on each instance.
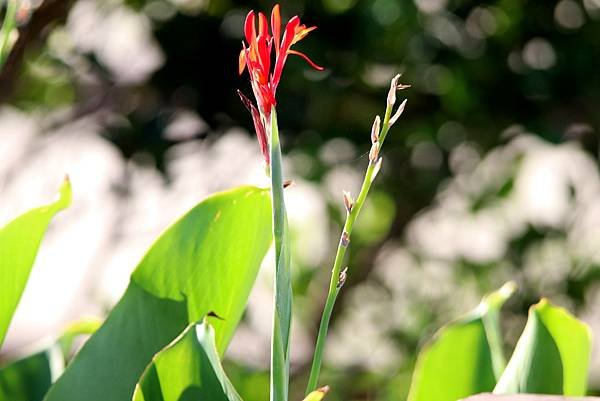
(305, 57)
(249, 28)
(276, 26)
(301, 32)
(264, 55)
(291, 27)
(242, 61)
(286, 42)
(262, 25)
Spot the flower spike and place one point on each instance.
(264, 75)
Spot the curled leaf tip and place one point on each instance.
(64, 194)
(318, 394)
(324, 389)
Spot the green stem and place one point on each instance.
(282, 314)
(7, 27)
(334, 287)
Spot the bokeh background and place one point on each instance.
(490, 175)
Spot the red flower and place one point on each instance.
(256, 56)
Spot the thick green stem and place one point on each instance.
(282, 314)
(336, 281)
(7, 27)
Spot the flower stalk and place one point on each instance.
(338, 276)
(282, 314)
(256, 56)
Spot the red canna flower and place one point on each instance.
(256, 57)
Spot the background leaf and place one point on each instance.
(19, 243)
(29, 379)
(207, 261)
(552, 355)
(188, 369)
(464, 356)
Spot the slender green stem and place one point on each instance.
(282, 314)
(7, 27)
(336, 281)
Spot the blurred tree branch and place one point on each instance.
(33, 33)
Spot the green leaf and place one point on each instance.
(188, 369)
(465, 357)
(551, 357)
(29, 379)
(282, 315)
(207, 261)
(19, 243)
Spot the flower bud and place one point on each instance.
(342, 278)
(345, 240)
(375, 130)
(374, 152)
(391, 98)
(398, 113)
(377, 168)
(348, 201)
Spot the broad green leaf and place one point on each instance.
(551, 357)
(207, 261)
(19, 243)
(29, 379)
(465, 357)
(282, 315)
(188, 369)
